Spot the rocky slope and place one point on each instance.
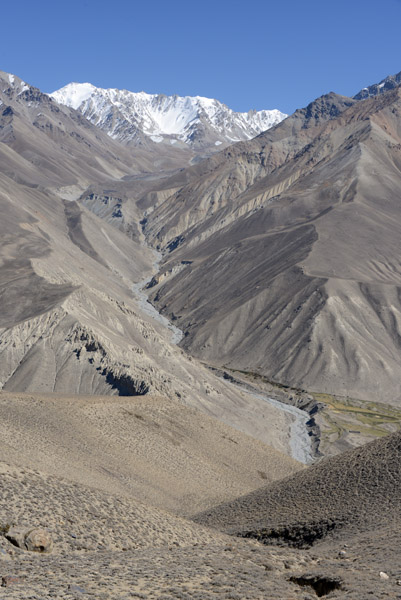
(344, 496)
(140, 119)
(281, 253)
(112, 546)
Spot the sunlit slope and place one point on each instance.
(297, 278)
(150, 448)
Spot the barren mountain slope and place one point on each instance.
(202, 191)
(176, 201)
(70, 323)
(298, 277)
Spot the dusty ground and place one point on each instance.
(152, 448)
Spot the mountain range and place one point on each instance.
(265, 243)
(386, 84)
(197, 123)
(70, 322)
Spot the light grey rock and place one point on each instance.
(33, 540)
(38, 540)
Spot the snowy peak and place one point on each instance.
(194, 121)
(389, 83)
(74, 94)
(14, 84)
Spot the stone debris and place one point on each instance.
(76, 589)
(15, 535)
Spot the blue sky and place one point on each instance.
(248, 54)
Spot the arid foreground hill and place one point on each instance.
(330, 530)
(282, 253)
(348, 507)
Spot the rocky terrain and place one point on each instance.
(106, 546)
(280, 254)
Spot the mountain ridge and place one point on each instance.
(376, 89)
(198, 122)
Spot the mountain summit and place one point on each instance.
(389, 83)
(196, 122)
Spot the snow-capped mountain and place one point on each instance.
(376, 89)
(197, 122)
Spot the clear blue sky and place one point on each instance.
(249, 54)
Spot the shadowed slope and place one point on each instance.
(350, 494)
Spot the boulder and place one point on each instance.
(38, 540)
(16, 536)
(33, 540)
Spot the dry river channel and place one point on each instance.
(300, 439)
